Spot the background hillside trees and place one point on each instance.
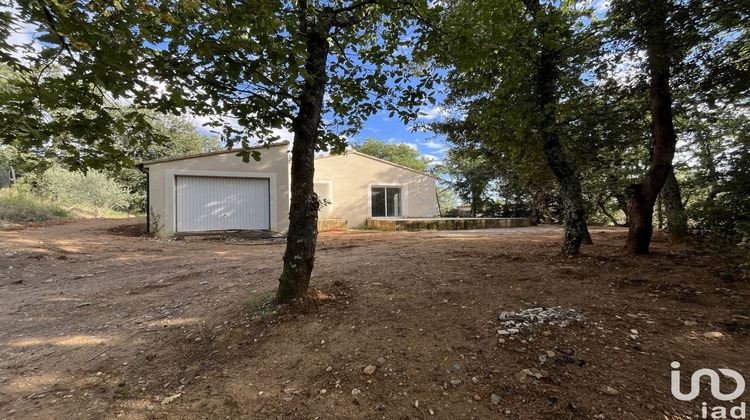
(400, 153)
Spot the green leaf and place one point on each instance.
(170, 398)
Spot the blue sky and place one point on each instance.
(393, 130)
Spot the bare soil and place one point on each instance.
(99, 322)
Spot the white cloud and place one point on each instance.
(431, 144)
(434, 160)
(432, 113)
(284, 135)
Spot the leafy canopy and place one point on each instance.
(399, 153)
(241, 64)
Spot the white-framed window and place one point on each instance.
(386, 201)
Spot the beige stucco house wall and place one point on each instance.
(347, 181)
(271, 172)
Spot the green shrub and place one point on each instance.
(91, 190)
(17, 205)
(455, 213)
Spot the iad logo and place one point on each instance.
(719, 412)
(695, 382)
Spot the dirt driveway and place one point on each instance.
(97, 322)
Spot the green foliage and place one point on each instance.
(93, 189)
(19, 205)
(55, 107)
(471, 178)
(710, 103)
(399, 153)
(22, 162)
(454, 212)
(183, 138)
(516, 79)
(447, 198)
(725, 209)
(601, 109)
(167, 58)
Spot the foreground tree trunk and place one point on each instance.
(676, 217)
(643, 196)
(299, 257)
(575, 231)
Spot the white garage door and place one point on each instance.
(212, 203)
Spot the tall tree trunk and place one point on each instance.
(299, 257)
(675, 211)
(575, 231)
(643, 196)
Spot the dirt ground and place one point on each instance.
(98, 322)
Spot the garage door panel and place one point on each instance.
(212, 203)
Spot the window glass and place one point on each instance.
(378, 202)
(393, 200)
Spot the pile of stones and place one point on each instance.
(515, 322)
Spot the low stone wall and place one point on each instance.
(332, 224)
(447, 223)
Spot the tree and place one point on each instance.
(68, 101)
(677, 223)
(683, 43)
(649, 20)
(399, 153)
(254, 66)
(177, 136)
(183, 138)
(472, 176)
(515, 69)
(716, 182)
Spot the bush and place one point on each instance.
(17, 206)
(455, 213)
(509, 209)
(91, 190)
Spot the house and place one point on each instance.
(466, 207)
(217, 191)
(360, 187)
